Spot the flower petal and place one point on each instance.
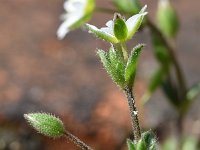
(133, 23)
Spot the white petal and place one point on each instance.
(107, 30)
(73, 5)
(62, 30)
(64, 27)
(109, 23)
(132, 22)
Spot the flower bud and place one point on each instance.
(128, 6)
(167, 18)
(46, 124)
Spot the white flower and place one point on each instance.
(107, 33)
(77, 13)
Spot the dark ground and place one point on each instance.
(40, 73)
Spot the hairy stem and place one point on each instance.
(134, 114)
(77, 141)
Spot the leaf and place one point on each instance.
(171, 92)
(46, 124)
(149, 139)
(193, 92)
(120, 29)
(160, 50)
(170, 144)
(155, 81)
(190, 143)
(130, 70)
(131, 145)
(191, 95)
(141, 145)
(114, 65)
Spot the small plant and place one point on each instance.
(121, 65)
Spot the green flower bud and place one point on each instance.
(128, 6)
(46, 124)
(167, 18)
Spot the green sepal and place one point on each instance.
(100, 34)
(128, 6)
(131, 145)
(130, 70)
(46, 124)
(120, 28)
(114, 65)
(167, 18)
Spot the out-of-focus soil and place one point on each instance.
(40, 73)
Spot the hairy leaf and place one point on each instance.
(130, 70)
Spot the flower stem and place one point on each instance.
(134, 114)
(77, 141)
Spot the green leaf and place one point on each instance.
(141, 145)
(120, 29)
(155, 81)
(191, 95)
(128, 6)
(167, 18)
(170, 144)
(160, 50)
(171, 92)
(130, 70)
(131, 145)
(114, 65)
(149, 139)
(46, 124)
(190, 143)
(193, 92)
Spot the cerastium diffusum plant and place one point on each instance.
(120, 65)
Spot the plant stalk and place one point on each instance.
(134, 114)
(77, 141)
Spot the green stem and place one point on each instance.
(77, 141)
(134, 114)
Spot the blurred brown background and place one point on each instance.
(40, 73)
